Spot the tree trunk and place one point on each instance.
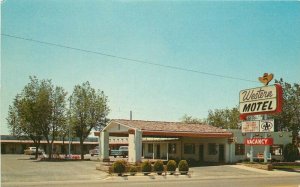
(63, 146)
(81, 148)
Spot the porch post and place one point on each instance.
(167, 151)
(134, 145)
(104, 146)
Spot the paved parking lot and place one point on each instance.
(20, 168)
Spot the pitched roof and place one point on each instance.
(173, 128)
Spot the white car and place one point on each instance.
(94, 151)
(32, 150)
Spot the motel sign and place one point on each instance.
(261, 100)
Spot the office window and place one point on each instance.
(276, 149)
(212, 149)
(239, 149)
(150, 148)
(172, 148)
(189, 148)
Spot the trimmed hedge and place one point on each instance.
(119, 166)
(146, 167)
(171, 166)
(183, 166)
(158, 167)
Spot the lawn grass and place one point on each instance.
(287, 167)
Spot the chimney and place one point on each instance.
(130, 115)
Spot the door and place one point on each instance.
(221, 153)
(158, 151)
(201, 153)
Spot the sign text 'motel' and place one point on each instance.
(262, 100)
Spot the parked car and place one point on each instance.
(32, 151)
(122, 151)
(94, 151)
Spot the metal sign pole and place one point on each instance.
(251, 149)
(266, 148)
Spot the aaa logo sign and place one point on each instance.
(259, 141)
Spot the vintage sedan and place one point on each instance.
(32, 151)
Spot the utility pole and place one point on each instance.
(70, 128)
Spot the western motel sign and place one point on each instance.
(261, 100)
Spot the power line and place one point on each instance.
(127, 59)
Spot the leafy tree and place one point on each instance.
(26, 114)
(290, 116)
(37, 112)
(88, 110)
(224, 118)
(290, 152)
(56, 124)
(190, 120)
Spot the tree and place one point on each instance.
(88, 110)
(289, 118)
(224, 118)
(190, 120)
(26, 115)
(55, 124)
(290, 152)
(37, 112)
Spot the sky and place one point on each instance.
(200, 39)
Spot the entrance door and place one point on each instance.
(221, 153)
(201, 153)
(158, 151)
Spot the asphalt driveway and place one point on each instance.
(20, 168)
(17, 169)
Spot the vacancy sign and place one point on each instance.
(259, 141)
(261, 100)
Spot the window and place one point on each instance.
(172, 148)
(150, 148)
(239, 149)
(276, 149)
(212, 149)
(189, 148)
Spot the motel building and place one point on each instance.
(175, 140)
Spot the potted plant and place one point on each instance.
(119, 167)
(171, 166)
(183, 167)
(158, 167)
(146, 167)
(132, 170)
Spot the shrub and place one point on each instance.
(119, 166)
(158, 167)
(183, 166)
(171, 166)
(132, 170)
(146, 167)
(290, 152)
